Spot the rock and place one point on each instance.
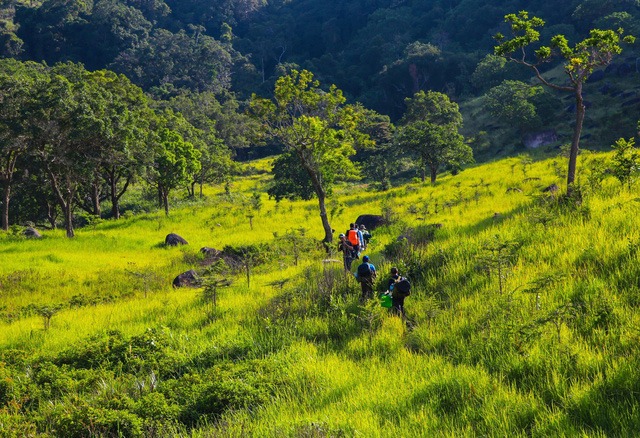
(187, 279)
(210, 253)
(370, 221)
(174, 240)
(553, 188)
(32, 233)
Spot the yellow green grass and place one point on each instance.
(548, 349)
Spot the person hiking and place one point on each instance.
(366, 235)
(363, 246)
(352, 236)
(346, 248)
(365, 274)
(400, 289)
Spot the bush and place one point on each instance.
(87, 421)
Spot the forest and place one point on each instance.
(493, 141)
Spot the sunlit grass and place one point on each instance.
(548, 349)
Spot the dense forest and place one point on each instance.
(199, 64)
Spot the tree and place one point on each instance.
(17, 82)
(219, 128)
(315, 126)
(175, 159)
(430, 131)
(290, 180)
(597, 50)
(513, 102)
(60, 118)
(626, 161)
(122, 137)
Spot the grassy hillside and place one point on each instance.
(522, 321)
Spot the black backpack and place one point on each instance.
(364, 270)
(403, 286)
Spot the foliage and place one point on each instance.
(625, 161)
(430, 131)
(315, 127)
(579, 62)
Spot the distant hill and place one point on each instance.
(378, 51)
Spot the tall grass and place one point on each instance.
(522, 320)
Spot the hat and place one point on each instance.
(341, 235)
(365, 258)
(362, 227)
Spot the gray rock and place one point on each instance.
(32, 233)
(174, 240)
(370, 221)
(187, 279)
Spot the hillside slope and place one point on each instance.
(522, 321)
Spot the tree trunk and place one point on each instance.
(5, 206)
(575, 143)
(95, 199)
(322, 196)
(434, 173)
(65, 200)
(68, 218)
(165, 201)
(52, 215)
(423, 173)
(7, 179)
(328, 232)
(115, 201)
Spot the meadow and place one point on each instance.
(522, 319)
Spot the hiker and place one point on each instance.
(400, 289)
(363, 246)
(365, 274)
(366, 236)
(352, 236)
(346, 248)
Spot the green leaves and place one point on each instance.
(430, 132)
(315, 127)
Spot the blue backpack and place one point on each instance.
(364, 270)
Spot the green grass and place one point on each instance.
(549, 348)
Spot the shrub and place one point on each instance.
(86, 421)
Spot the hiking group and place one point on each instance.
(351, 244)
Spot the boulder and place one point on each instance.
(32, 233)
(371, 221)
(210, 253)
(174, 240)
(187, 279)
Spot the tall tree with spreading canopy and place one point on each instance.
(597, 50)
(317, 127)
(66, 108)
(429, 130)
(17, 82)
